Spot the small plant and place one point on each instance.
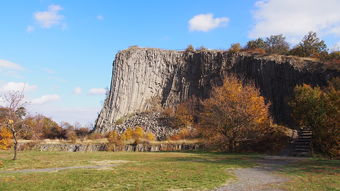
(236, 47)
(190, 48)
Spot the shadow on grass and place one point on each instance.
(230, 159)
(323, 166)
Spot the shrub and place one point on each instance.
(190, 48)
(82, 132)
(150, 136)
(320, 110)
(5, 138)
(115, 140)
(93, 136)
(256, 51)
(71, 135)
(235, 48)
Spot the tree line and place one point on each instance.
(309, 46)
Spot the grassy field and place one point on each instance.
(153, 171)
(313, 175)
(144, 171)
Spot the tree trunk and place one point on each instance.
(15, 146)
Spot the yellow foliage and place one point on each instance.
(150, 136)
(234, 114)
(138, 133)
(5, 138)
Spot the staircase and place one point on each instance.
(302, 146)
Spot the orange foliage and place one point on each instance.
(234, 115)
(256, 51)
(5, 138)
(137, 135)
(150, 136)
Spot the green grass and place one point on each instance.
(146, 171)
(313, 175)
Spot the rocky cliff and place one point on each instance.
(143, 77)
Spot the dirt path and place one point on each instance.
(259, 178)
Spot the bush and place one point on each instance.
(71, 135)
(319, 110)
(82, 132)
(5, 138)
(115, 140)
(190, 48)
(256, 51)
(94, 136)
(137, 135)
(235, 48)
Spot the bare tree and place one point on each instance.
(14, 115)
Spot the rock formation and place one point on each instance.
(143, 77)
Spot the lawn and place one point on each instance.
(154, 171)
(138, 171)
(312, 175)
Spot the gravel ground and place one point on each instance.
(260, 178)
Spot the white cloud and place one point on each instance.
(100, 17)
(50, 18)
(97, 91)
(294, 18)
(30, 28)
(45, 99)
(17, 86)
(206, 22)
(77, 90)
(5, 64)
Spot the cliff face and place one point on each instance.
(143, 77)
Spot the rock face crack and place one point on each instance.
(140, 75)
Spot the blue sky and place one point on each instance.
(62, 51)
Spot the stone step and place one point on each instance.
(301, 147)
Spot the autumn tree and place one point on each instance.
(276, 44)
(234, 115)
(319, 109)
(13, 116)
(310, 46)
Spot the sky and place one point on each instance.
(61, 52)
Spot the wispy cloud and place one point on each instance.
(206, 22)
(51, 17)
(97, 91)
(5, 64)
(18, 86)
(45, 99)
